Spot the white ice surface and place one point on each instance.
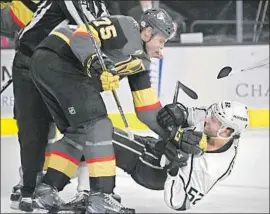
(245, 191)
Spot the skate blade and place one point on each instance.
(38, 209)
(76, 211)
(52, 211)
(92, 210)
(66, 211)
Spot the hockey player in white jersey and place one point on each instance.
(223, 125)
(190, 173)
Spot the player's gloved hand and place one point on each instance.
(109, 79)
(175, 157)
(172, 115)
(189, 141)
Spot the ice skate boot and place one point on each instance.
(117, 197)
(16, 191)
(15, 196)
(47, 198)
(104, 203)
(25, 204)
(78, 203)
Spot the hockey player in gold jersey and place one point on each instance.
(36, 19)
(71, 84)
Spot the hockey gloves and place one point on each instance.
(189, 141)
(108, 79)
(172, 115)
(180, 145)
(176, 158)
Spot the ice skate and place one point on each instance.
(117, 197)
(16, 191)
(105, 203)
(15, 196)
(46, 198)
(25, 204)
(78, 202)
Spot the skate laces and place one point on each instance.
(110, 200)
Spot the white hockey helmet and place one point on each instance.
(231, 114)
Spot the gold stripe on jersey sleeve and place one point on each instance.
(62, 36)
(21, 12)
(145, 99)
(82, 31)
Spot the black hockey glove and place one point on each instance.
(176, 158)
(189, 141)
(172, 115)
(109, 79)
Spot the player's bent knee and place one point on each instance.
(100, 157)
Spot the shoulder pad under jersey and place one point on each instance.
(131, 30)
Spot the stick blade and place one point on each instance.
(192, 94)
(224, 72)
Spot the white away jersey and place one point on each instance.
(195, 180)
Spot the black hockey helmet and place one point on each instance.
(159, 20)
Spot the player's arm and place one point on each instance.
(16, 15)
(186, 180)
(83, 47)
(146, 101)
(184, 190)
(80, 42)
(78, 38)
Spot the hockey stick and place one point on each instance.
(6, 85)
(102, 63)
(192, 94)
(176, 92)
(229, 71)
(163, 160)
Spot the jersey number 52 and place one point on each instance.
(106, 28)
(195, 195)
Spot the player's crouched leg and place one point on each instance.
(100, 159)
(64, 161)
(140, 159)
(52, 138)
(78, 202)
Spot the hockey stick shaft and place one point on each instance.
(229, 71)
(6, 85)
(192, 94)
(103, 66)
(176, 92)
